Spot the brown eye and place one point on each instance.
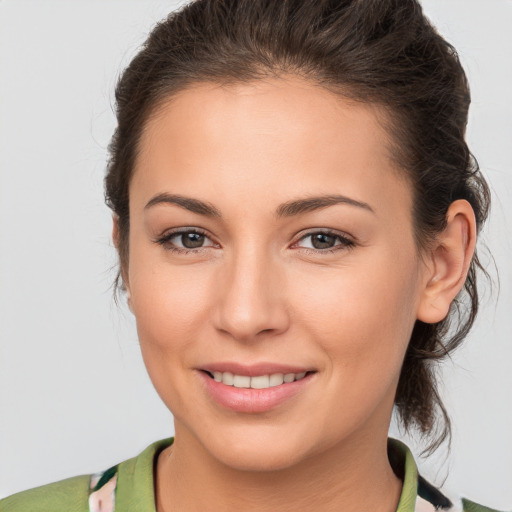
(192, 240)
(323, 240)
(185, 240)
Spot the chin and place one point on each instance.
(256, 449)
(259, 458)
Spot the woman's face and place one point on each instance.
(271, 235)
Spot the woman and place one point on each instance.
(296, 212)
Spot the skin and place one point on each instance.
(259, 291)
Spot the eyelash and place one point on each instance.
(346, 243)
(165, 240)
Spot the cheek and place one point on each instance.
(170, 304)
(171, 308)
(362, 315)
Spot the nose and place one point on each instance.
(250, 296)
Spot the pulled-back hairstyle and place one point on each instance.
(383, 52)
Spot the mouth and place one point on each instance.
(256, 381)
(255, 389)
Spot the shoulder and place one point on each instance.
(70, 495)
(418, 494)
(430, 499)
(119, 487)
(470, 506)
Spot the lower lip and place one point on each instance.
(250, 400)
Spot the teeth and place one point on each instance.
(256, 382)
(276, 379)
(227, 378)
(241, 381)
(260, 382)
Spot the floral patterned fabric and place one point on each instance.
(103, 492)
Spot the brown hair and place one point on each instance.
(380, 51)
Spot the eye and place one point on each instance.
(325, 241)
(185, 240)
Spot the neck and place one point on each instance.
(353, 476)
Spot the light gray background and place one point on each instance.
(74, 395)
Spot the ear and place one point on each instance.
(115, 239)
(115, 230)
(448, 263)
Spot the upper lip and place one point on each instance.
(253, 370)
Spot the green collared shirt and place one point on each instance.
(128, 487)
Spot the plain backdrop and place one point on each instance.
(74, 395)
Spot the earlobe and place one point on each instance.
(449, 262)
(115, 230)
(129, 299)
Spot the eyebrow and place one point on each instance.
(288, 209)
(309, 204)
(193, 205)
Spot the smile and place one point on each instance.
(254, 388)
(257, 381)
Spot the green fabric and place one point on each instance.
(134, 491)
(407, 500)
(70, 495)
(470, 506)
(135, 488)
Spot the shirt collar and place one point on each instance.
(135, 483)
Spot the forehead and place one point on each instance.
(287, 109)
(282, 133)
